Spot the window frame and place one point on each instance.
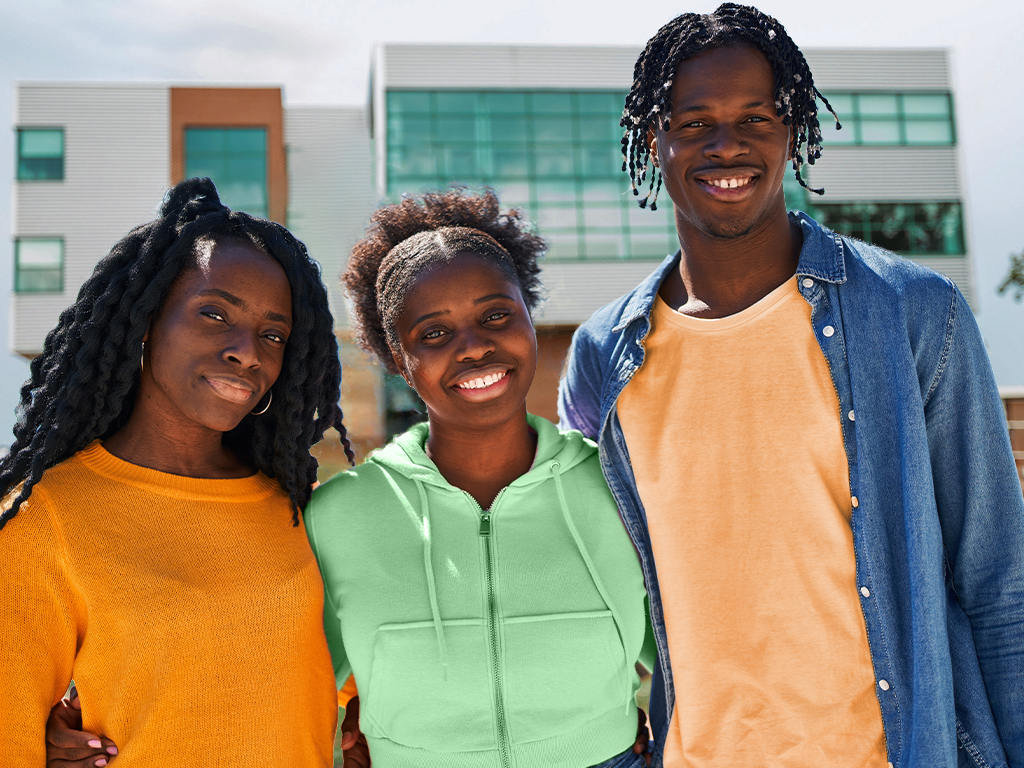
(20, 270)
(854, 120)
(18, 157)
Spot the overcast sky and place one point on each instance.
(320, 51)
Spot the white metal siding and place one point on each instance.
(886, 174)
(507, 66)
(330, 189)
(116, 170)
(882, 69)
(576, 289)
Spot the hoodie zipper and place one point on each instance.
(492, 629)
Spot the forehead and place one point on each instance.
(731, 73)
(465, 277)
(236, 266)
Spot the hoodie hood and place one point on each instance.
(407, 456)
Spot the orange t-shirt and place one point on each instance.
(733, 430)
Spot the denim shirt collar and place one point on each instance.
(821, 257)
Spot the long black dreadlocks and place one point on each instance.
(648, 105)
(83, 385)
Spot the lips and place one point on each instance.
(730, 184)
(483, 383)
(231, 388)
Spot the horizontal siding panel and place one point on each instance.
(508, 66)
(116, 170)
(892, 174)
(576, 289)
(883, 69)
(956, 268)
(36, 314)
(330, 187)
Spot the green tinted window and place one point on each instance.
(236, 160)
(554, 153)
(40, 154)
(917, 229)
(38, 265)
(889, 118)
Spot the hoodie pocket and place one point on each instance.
(408, 699)
(562, 670)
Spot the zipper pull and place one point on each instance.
(485, 524)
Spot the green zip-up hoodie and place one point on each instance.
(504, 637)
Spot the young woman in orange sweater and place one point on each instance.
(152, 544)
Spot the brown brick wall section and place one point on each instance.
(234, 108)
(552, 346)
(1015, 417)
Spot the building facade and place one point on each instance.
(539, 124)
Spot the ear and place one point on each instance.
(652, 145)
(403, 371)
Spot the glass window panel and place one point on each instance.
(39, 281)
(505, 102)
(553, 128)
(457, 101)
(205, 140)
(602, 216)
(930, 104)
(650, 246)
(601, 162)
(562, 246)
(641, 219)
(604, 246)
(510, 162)
(409, 101)
(552, 102)
(34, 142)
(552, 218)
(461, 164)
(246, 168)
(415, 131)
(421, 164)
(508, 128)
(555, 191)
(877, 104)
(608, 104)
(553, 162)
(929, 132)
(40, 253)
(598, 128)
(514, 193)
(603, 191)
(247, 140)
(831, 135)
(453, 129)
(841, 103)
(880, 132)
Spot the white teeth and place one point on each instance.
(483, 381)
(729, 183)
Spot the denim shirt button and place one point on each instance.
(850, 416)
(808, 283)
(855, 501)
(883, 684)
(827, 331)
(865, 591)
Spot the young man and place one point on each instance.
(803, 433)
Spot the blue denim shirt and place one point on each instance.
(938, 517)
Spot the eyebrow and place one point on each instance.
(230, 298)
(705, 107)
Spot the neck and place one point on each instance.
(158, 441)
(482, 462)
(720, 276)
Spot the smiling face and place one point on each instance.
(468, 346)
(725, 153)
(217, 345)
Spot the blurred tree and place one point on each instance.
(1014, 279)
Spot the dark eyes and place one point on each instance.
(271, 336)
(497, 316)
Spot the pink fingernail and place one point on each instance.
(101, 762)
(95, 743)
(112, 750)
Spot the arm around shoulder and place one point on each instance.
(981, 512)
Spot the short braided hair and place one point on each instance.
(648, 103)
(408, 238)
(84, 383)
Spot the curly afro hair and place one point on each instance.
(408, 238)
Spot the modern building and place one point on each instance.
(539, 124)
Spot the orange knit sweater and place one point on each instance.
(189, 612)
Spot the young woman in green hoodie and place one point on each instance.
(479, 582)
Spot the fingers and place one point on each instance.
(68, 746)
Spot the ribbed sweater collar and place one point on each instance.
(99, 460)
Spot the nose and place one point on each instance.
(725, 142)
(474, 344)
(243, 349)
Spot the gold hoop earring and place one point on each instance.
(269, 401)
(142, 358)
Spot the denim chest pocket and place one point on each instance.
(561, 670)
(410, 702)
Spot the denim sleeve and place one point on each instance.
(579, 391)
(981, 512)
